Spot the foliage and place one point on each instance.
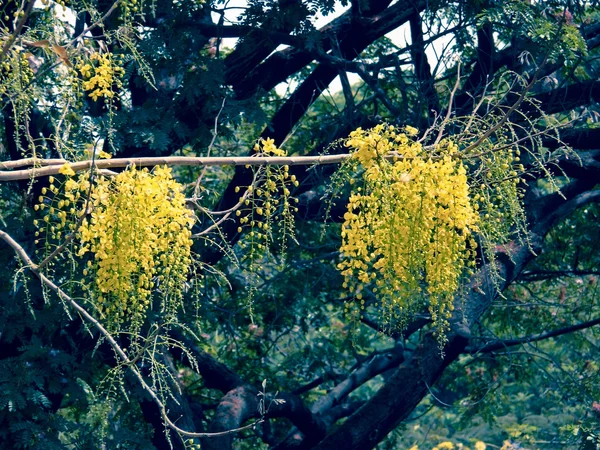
(431, 289)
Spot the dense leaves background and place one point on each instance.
(523, 369)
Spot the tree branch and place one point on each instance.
(353, 37)
(423, 71)
(215, 374)
(23, 15)
(504, 344)
(377, 364)
(18, 249)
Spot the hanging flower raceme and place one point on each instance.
(407, 232)
(132, 235)
(138, 233)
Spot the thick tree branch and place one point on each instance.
(215, 374)
(568, 97)
(484, 68)
(423, 71)
(353, 37)
(255, 46)
(377, 364)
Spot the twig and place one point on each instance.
(210, 146)
(97, 23)
(504, 118)
(474, 113)
(449, 112)
(226, 214)
(502, 344)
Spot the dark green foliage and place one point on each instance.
(281, 320)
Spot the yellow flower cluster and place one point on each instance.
(66, 169)
(58, 212)
(406, 236)
(100, 73)
(139, 234)
(267, 147)
(447, 445)
(15, 74)
(269, 195)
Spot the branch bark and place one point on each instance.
(495, 345)
(423, 71)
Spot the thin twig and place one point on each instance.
(210, 146)
(226, 214)
(474, 113)
(449, 112)
(504, 118)
(97, 23)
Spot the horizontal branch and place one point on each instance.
(49, 167)
(499, 345)
(537, 275)
(54, 168)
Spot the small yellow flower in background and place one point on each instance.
(480, 445)
(104, 155)
(66, 169)
(447, 445)
(414, 447)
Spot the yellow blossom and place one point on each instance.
(139, 231)
(268, 148)
(411, 131)
(447, 445)
(101, 73)
(66, 169)
(406, 225)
